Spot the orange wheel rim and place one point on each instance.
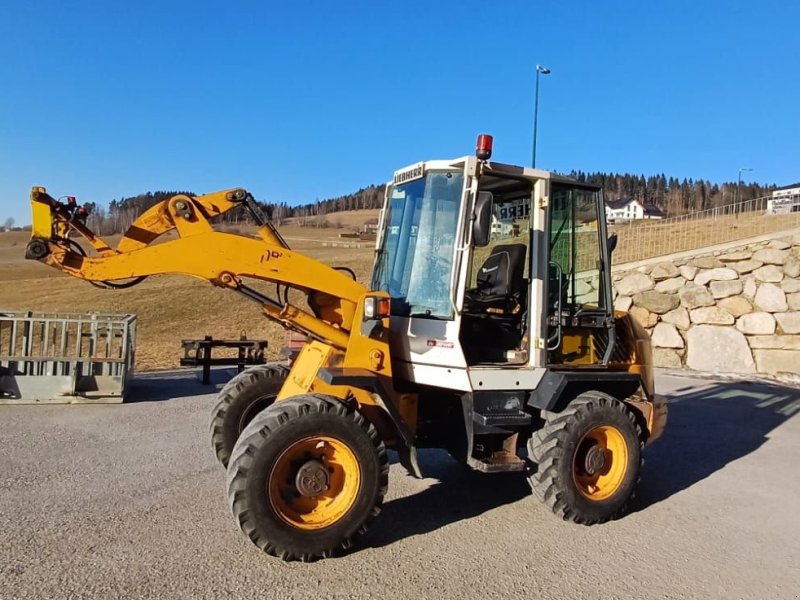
(600, 462)
(314, 482)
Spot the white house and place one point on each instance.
(784, 200)
(502, 228)
(628, 209)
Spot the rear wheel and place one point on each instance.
(586, 459)
(306, 477)
(242, 398)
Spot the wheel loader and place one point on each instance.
(487, 329)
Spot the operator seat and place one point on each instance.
(499, 288)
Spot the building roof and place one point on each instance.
(788, 187)
(651, 210)
(620, 203)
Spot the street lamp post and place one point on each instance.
(540, 70)
(738, 188)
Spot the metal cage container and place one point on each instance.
(65, 358)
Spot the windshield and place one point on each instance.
(415, 261)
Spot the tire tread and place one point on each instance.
(546, 448)
(228, 394)
(243, 455)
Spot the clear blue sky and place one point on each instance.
(305, 100)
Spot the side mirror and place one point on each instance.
(611, 243)
(482, 219)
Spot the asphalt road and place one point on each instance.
(127, 501)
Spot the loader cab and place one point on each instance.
(496, 273)
(553, 258)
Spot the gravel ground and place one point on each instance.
(127, 501)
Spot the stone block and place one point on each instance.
(779, 244)
(757, 323)
(779, 342)
(791, 267)
(643, 316)
(790, 286)
(623, 303)
(793, 300)
(703, 350)
(687, 272)
(665, 358)
(583, 287)
(789, 322)
(678, 317)
(736, 305)
(769, 274)
(666, 336)
(746, 266)
(722, 274)
(656, 302)
(633, 283)
(695, 297)
(736, 256)
(665, 270)
(711, 315)
(723, 289)
(668, 286)
(706, 262)
(777, 361)
(771, 298)
(771, 256)
(749, 287)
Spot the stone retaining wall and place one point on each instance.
(731, 311)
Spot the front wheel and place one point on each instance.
(306, 477)
(586, 459)
(241, 399)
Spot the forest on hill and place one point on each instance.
(673, 196)
(670, 194)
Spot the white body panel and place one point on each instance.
(427, 352)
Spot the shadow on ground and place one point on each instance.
(708, 428)
(159, 386)
(459, 493)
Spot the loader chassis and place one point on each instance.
(488, 327)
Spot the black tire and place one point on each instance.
(561, 464)
(264, 446)
(242, 398)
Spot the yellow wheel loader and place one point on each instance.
(488, 330)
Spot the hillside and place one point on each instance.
(351, 211)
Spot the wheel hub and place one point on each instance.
(311, 479)
(595, 460)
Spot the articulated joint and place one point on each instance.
(181, 206)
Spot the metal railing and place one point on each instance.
(56, 357)
(648, 238)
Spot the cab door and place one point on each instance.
(580, 315)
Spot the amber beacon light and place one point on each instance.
(483, 150)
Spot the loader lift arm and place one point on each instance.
(223, 259)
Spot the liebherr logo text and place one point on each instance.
(411, 174)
